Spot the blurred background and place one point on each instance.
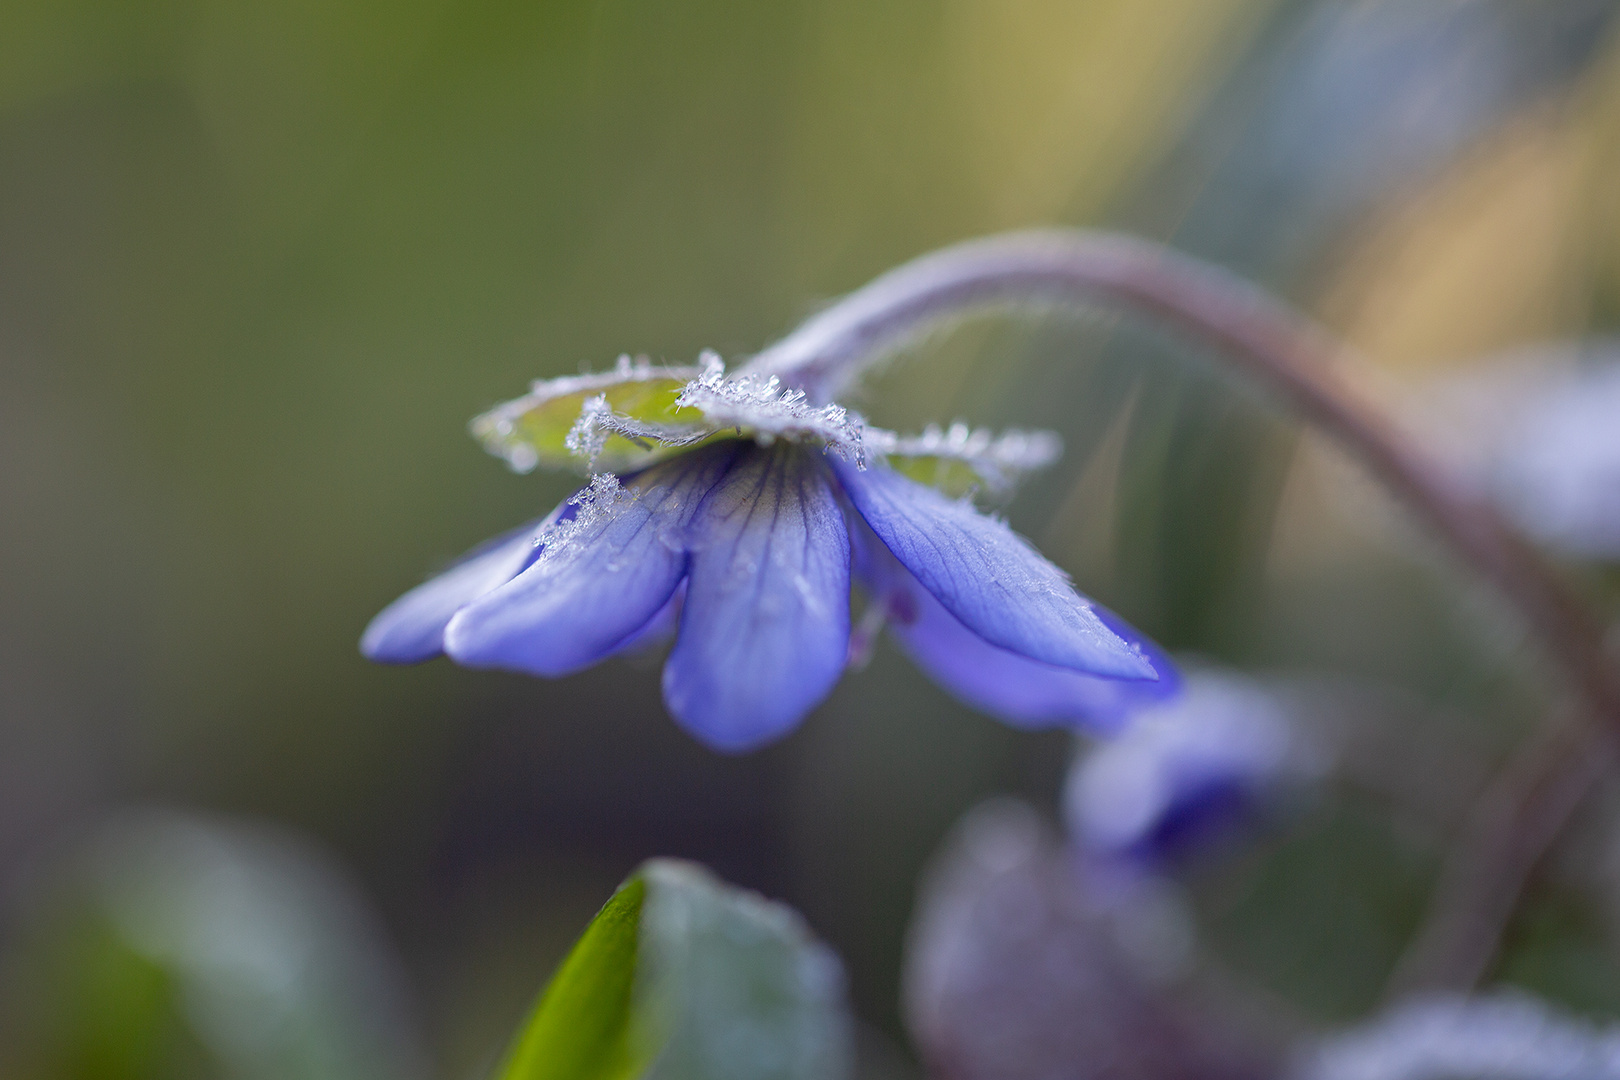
(259, 264)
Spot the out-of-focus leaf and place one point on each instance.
(181, 946)
(533, 429)
(681, 977)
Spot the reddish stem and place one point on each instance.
(1258, 336)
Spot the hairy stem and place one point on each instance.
(1295, 360)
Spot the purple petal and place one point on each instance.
(411, 629)
(659, 629)
(765, 630)
(987, 576)
(605, 581)
(1023, 692)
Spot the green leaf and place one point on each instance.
(682, 977)
(580, 1029)
(179, 945)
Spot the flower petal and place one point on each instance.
(600, 583)
(1022, 692)
(411, 629)
(989, 577)
(659, 630)
(765, 630)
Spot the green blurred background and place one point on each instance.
(260, 262)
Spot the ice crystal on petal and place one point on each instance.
(593, 504)
(958, 459)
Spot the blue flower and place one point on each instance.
(1189, 773)
(745, 536)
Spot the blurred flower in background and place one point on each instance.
(1014, 970)
(1184, 773)
(1508, 1035)
(1535, 431)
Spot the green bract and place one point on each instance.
(625, 419)
(533, 430)
(681, 977)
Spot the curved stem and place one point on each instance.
(1257, 336)
(1527, 807)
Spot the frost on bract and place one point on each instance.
(765, 409)
(632, 416)
(534, 429)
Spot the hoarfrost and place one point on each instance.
(588, 437)
(761, 408)
(594, 505)
(767, 410)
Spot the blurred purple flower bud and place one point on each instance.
(1557, 467)
(1536, 431)
(1186, 772)
(1014, 970)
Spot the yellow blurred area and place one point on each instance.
(1034, 110)
(1504, 247)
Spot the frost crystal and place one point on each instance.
(593, 505)
(624, 371)
(597, 420)
(754, 406)
(508, 432)
(763, 408)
